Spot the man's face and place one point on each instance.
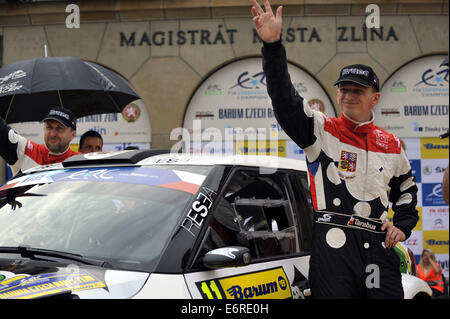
(91, 144)
(357, 101)
(57, 137)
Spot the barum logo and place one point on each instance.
(434, 242)
(238, 292)
(431, 146)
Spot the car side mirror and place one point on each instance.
(233, 256)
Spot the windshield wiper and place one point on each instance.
(30, 252)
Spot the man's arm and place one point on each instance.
(9, 143)
(403, 195)
(291, 110)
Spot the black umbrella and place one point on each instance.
(28, 89)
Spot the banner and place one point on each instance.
(414, 100)
(234, 102)
(130, 126)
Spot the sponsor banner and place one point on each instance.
(210, 148)
(442, 259)
(235, 97)
(434, 147)
(412, 148)
(432, 194)
(130, 126)
(269, 284)
(273, 148)
(294, 151)
(433, 170)
(414, 100)
(415, 242)
(436, 240)
(416, 169)
(435, 218)
(112, 147)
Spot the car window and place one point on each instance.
(124, 215)
(303, 208)
(255, 212)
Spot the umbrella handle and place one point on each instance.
(60, 100)
(9, 107)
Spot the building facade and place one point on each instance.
(196, 64)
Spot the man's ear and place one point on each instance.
(376, 98)
(74, 133)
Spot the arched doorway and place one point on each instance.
(231, 107)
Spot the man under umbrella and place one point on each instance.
(21, 153)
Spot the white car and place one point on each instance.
(134, 224)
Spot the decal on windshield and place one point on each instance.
(21, 287)
(199, 211)
(173, 179)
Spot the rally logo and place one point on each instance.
(213, 89)
(398, 87)
(347, 165)
(435, 78)
(249, 82)
(432, 194)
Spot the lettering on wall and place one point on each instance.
(223, 35)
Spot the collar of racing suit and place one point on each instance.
(358, 127)
(57, 154)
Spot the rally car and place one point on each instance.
(137, 224)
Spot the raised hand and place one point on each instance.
(267, 25)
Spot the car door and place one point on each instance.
(260, 213)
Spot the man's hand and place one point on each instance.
(393, 235)
(267, 25)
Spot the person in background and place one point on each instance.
(21, 153)
(90, 141)
(430, 271)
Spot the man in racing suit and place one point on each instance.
(59, 131)
(351, 163)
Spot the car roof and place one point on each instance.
(157, 157)
(219, 159)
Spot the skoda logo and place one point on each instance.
(427, 170)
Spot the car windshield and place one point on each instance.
(124, 216)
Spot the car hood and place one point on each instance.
(24, 282)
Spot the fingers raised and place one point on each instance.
(267, 6)
(256, 7)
